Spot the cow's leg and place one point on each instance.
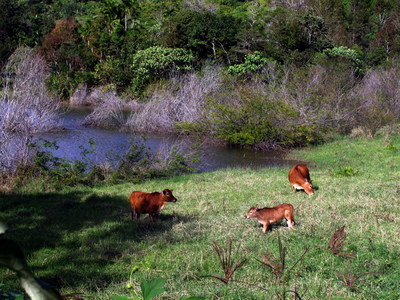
(135, 214)
(265, 227)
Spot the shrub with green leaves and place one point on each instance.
(253, 64)
(247, 123)
(248, 118)
(345, 52)
(157, 62)
(112, 71)
(347, 171)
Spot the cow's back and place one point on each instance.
(298, 174)
(145, 202)
(299, 178)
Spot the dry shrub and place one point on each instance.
(79, 97)
(299, 108)
(26, 108)
(229, 259)
(181, 101)
(200, 5)
(179, 157)
(359, 132)
(108, 111)
(318, 97)
(377, 100)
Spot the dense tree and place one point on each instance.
(10, 26)
(208, 35)
(94, 41)
(157, 62)
(295, 37)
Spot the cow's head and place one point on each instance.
(251, 212)
(307, 186)
(169, 197)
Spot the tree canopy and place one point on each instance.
(97, 42)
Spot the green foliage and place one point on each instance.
(149, 289)
(63, 84)
(253, 64)
(11, 295)
(137, 164)
(390, 147)
(11, 24)
(140, 163)
(208, 35)
(245, 124)
(152, 288)
(295, 36)
(345, 172)
(113, 71)
(62, 171)
(157, 62)
(345, 52)
(249, 119)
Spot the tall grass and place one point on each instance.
(83, 240)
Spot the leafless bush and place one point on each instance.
(182, 101)
(26, 108)
(200, 5)
(349, 279)
(319, 99)
(377, 99)
(278, 264)
(227, 257)
(79, 97)
(294, 4)
(180, 155)
(108, 111)
(337, 242)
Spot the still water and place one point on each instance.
(214, 157)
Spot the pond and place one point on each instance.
(214, 156)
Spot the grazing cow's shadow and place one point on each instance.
(315, 188)
(144, 226)
(89, 230)
(277, 226)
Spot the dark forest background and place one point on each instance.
(251, 73)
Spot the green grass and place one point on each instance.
(83, 240)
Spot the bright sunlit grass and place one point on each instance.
(83, 240)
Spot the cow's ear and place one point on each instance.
(164, 192)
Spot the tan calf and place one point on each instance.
(267, 215)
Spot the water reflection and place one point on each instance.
(214, 156)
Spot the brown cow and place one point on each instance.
(267, 215)
(149, 203)
(299, 178)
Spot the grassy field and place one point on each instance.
(83, 240)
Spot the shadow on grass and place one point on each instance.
(275, 226)
(80, 235)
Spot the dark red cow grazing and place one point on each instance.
(149, 203)
(299, 178)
